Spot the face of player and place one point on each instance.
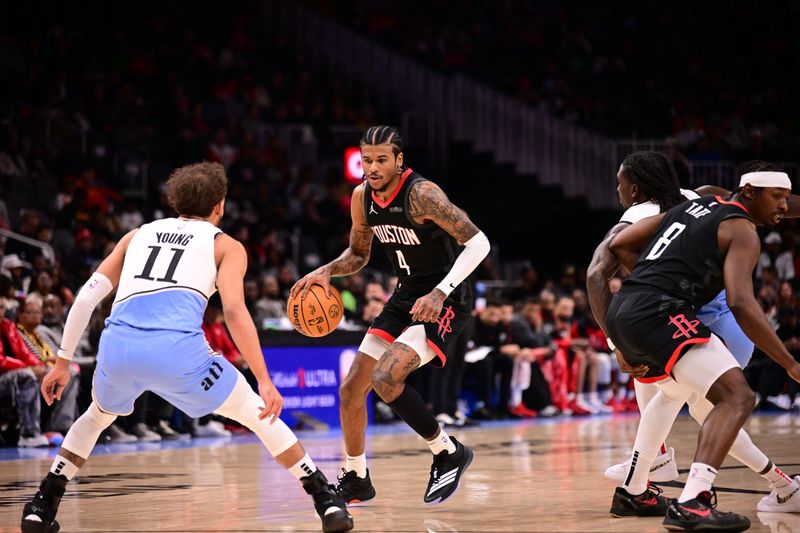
(626, 189)
(769, 205)
(381, 166)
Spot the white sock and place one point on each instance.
(63, 467)
(357, 464)
(442, 443)
(303, 468)
(657, 418)
(636, 478)
(701, 477)
(777, 478)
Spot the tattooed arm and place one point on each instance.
(428, 203)
(352, 259)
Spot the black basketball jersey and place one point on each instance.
(683, 258)
(421, 255)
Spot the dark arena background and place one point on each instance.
(521, 111)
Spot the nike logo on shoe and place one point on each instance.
(703, 513)
(660, 465)
(787, 498)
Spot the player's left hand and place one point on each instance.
(273, 401)
(429, 307)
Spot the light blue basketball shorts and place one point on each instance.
(177, 366)
(718, 317)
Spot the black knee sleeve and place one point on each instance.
(410, 407)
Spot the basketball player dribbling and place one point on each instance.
(164, 273)
(683, 259)
(648, 184)
(420, 230)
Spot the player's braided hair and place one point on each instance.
(656, 177)
(383, 135)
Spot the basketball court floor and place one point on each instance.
(541, 475)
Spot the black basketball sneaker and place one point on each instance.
(354, 489)
(648, 503)
(446, 471)
(39, 514)
(330, 506)
(700, 514)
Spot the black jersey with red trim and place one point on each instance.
(421, 254)
(683, 258)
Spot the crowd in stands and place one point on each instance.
(646, 71)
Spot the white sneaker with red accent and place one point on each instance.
(662, 470)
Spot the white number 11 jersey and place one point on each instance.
(168, 275)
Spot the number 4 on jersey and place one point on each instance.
(401, 261)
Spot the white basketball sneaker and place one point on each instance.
(785, 500)
(663, 469)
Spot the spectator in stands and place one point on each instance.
(486, 362)
(8, 296)
(82, 259)
(21, 373)
(17, 271)
(41, 286)
(270, 305)
(767, 378)
(525, 347)
(130, 216)
(771, 256)
(547, 305)
(557, 369)
(63, 413)
(28, 224)
(529, 287)
(369, 312)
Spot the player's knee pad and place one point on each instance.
(373, 346)
(416, 338)
(244, 406)
(84, 433)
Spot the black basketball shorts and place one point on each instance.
(396, 318)
(653, 329)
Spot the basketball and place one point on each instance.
(317, 314)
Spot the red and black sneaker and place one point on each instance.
(648, 503)
(700, 514)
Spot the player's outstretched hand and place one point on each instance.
(55, 381)
(320, 276)
(638, 371)
(794, 372)
(429, 307)
(273, 401)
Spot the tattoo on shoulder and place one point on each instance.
(427, 202)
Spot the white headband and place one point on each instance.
(766, 179)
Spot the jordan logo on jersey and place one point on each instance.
(683, 327)
(372, 209)
(444, 322)
(390, 233)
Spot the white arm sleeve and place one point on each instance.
(90, 295)
(475, 250)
